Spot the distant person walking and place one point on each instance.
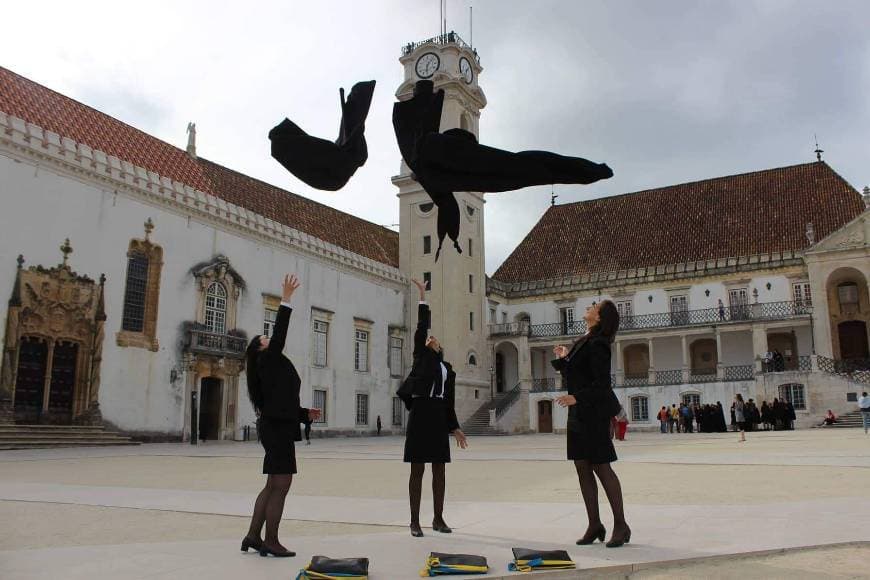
(379, 425)
(864, 405)
(740, 416)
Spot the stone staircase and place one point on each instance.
(847, 420)
(478, 423)
(41, 436)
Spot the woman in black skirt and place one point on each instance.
(591, 405)
(273, 386)
(429, 393)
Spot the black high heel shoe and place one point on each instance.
(266, 550)
(416, 531)
(591, 535)
(252, 544)
(616, 542)
(441, 527)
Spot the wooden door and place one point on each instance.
(210, 400)
(545, 416)
(63, 381)
(30, 382)
(853, 339)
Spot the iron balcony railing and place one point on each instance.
(636, 380)
(507, 401)
(765, 311)
(669, 377)
(857, 370)
(509, 329)
(545, 385)
(740, 373)
(205, 342)
(442, 39)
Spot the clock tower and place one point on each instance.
(456, 282)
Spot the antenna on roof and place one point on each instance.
(553, 196)
(818, 151)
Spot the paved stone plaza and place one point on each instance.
(179, 511)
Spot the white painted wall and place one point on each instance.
(42, 206)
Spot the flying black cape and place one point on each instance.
(452, 161)
(325, 164)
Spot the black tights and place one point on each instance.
(586, 472)
(269, 508)
(415, 490)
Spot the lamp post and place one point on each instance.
(491, 375)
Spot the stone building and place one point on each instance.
(135, 272)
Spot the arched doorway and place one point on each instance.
(545, 416)
(499, 373)
(210, 395)
(507, 366)
(636, 358)
(30, 383)
(704, 359)
(853, 339)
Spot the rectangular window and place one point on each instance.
(624, 309)
(427, 245)
(427, 280)
(738, 301)
(361, 351)
(679, 310)
(321, 340)
(566, 317)
(395, 356)
(794, 394)
(134, 293)
(639, 409)
(470, 252)
(269, 316)
(504, 317)
(362, 409)
(318, 401)
(848, 294)
(492, 315)
(471, 283)
(471, 321)
(397, 411)
(802, 294)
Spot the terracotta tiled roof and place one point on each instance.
(739, 215)
(55, 112)
(342, 229)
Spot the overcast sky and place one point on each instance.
(665, 92)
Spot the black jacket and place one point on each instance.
(278, 378)
(426, 371)
(586, 371)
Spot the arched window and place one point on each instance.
(216, 308)
(472, 360)
(141, 293)
(639, 408)
(134, 293)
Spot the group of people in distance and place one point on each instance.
(429, 394)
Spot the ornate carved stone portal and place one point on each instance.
(53, 347)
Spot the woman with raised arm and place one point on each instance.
(591, 405)
(273, 386)
(429, 394)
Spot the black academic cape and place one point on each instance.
(325, 164)
(586, 370)
(279, 380)
(426, 372)
(444, 163)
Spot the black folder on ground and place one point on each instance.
(324, 568)
(440, 564)
(444, 163)
(325, 164)
(527, 560)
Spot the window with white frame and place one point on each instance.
(679, 309)
(318, 401)
(640, 408)
(269, 316)
(216, 308)
(362, 409)
(691, 399)
(738, 301)
(566, 317)
(802, 294)
(361, 350)
(320, 329)
(492, 315)
(794, 394)
(398, 406)
(395, 356)
(623, 307)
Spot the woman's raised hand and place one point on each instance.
(421, 287)
(289, 286)
(560, 351)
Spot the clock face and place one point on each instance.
(465, 70)
(427, 65)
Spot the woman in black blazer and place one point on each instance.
(429, 393)
(273, 386)
(591, 406)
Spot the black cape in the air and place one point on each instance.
(325, 164)
(452, 161)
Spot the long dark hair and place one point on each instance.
(252, 356)
(608, 320)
